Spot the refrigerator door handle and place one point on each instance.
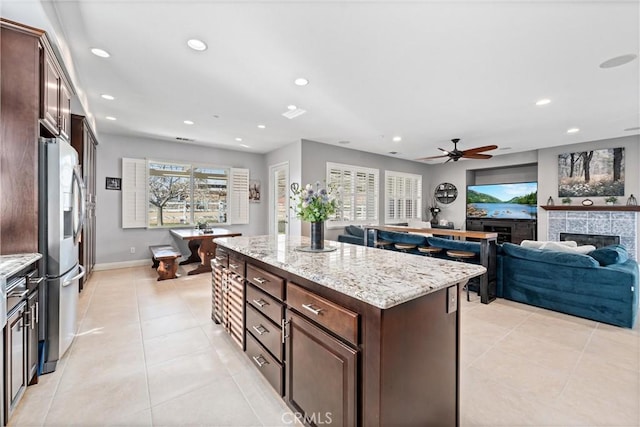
(83, 204)
(76, 277)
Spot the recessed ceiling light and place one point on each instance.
(196, 44)
(291, 107)
(239, 139)
(301, 81)
(573, 130)
(110, 118)
(188, 122)
(109, 97)
(397, 138)
(99, 52)
(618, 60)
(261, 126)
(632, 129)
(543, 101)
(244, 145)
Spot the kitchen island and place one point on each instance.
(357, 336)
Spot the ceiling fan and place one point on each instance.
(455, 154)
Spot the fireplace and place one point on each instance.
(582, 224)
(597, 240)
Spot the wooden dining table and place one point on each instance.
(488, 252)
(201, 246)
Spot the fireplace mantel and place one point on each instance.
(592, 208)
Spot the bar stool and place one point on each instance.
(404, 247)
(383, 244)
(461, 256)
(429, 250)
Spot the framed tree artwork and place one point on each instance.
(593, 173)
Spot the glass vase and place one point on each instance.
(317, 235)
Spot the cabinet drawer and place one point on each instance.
(266, 281)
(337, 319)
(265, 304)
(236, 265)
(268, 366)
(268, 334)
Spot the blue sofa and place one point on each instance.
(602, 285)
(355, 235)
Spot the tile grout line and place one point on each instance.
(575, 366)
(144, 355)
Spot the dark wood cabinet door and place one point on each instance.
(50, 91)
(321, 374)
(65, 111)
(33, 320)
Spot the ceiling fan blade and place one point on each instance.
(432, 157)
(480, 149)
(449, 159)
(476, 156)
(443, 150)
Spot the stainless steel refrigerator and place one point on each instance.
(62, 211)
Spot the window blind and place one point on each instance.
(359, 196)
(403, 196)
(134, 193)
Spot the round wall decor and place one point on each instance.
(446, 193)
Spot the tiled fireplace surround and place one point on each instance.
(616, 223)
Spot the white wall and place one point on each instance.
(315, 156)
(114, 242)
(548, 173)
(292, 154)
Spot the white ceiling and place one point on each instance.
(425, 71)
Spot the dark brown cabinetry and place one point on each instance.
(85, 143)
(509, 230)
(321, 374)
(33, 322)
(55, 110)
(340, 361)
(15, 345)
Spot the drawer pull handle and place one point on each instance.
(220, 258)
(260, 280)
(260, 302)
(233, 265)
(260, 329)
(310, 308)
(260, 361)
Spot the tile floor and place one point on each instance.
(148, 353)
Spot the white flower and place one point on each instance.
(308, 187)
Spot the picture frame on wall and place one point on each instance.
(254, 191)
(113, 183)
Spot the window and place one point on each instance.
(359, 197)
(174, 194)
(403, 197)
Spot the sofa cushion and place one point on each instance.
(550, 257)
(613, 254)
(458, 245)
(392, 236)
(558, 246)
(354, 231)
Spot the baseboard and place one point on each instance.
(123, 264)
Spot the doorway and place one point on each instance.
(279, 203)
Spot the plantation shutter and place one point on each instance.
(403, 194)
(239, 196)
(359, 196)
(134, 193)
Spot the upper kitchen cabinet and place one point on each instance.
(56, 94)
(35, 101)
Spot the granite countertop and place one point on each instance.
(11, 264)
(382, 278)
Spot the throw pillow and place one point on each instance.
(538, 244)
(559, 247)
(355, 231)
(613, 254)
(416, 223)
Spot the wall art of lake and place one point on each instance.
(501, 210)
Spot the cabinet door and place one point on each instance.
(65, 111)
(33, 319)
(321, 374)
(15, 359)
(50, 105)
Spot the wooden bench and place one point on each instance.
(164, 261)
